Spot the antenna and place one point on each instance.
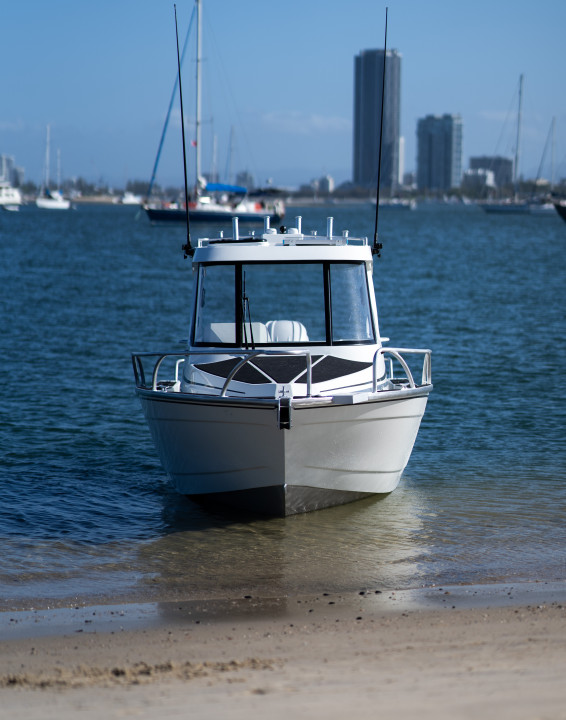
(377, 246)
(187, 248)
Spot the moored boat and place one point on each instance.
(208, 207)
(10, 197)
(51, 199)
(560, 208)
(210, 202)
(286, 399)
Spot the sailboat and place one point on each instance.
(512, 205)
(213, 201)
(51, 199)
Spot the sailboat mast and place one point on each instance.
(58, 169)
(517, 145)
(47, 158)
(552, 151)
(198, 99)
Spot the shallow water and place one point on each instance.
(86, 511)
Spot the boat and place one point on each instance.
(130, 198)
(515, 205)
(396, 203)
(211, 202)
(560, 208)
(51, 199)
(10, 197)
(209, 208)
(286, 398)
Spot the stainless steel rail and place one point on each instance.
(248, 356)
(426, 376)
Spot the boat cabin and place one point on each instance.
(289, 294)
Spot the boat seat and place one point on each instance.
(225, 333)
(286, 331)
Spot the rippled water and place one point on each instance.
(86, 511)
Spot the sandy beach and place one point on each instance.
(441, 652)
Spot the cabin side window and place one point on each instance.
(215, 320)
(351, 314)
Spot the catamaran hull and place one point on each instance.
(244, 454)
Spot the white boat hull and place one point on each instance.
(238, 451)
(53, 203)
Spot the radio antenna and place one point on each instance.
(376, 249)
(187, 248)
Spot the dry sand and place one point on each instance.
(464, 652)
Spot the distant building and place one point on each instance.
(326, 185)
(501, 167)
(368, 77)
(478, 181)
(410, 180)
(439, 152)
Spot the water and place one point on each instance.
(86, 513)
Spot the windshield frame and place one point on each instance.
(244, 342)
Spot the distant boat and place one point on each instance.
(51, 199)
(511, 206)
(396, 203)
(128, 198)
(560, 208)
(213, 201)
(208, 207)
(504, 207)
(10, 197)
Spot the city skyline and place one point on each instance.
(101, 74)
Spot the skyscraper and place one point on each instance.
(439, 152)
(368, 76)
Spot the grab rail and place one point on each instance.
(246, 357)
(139, 373)
(426, 376)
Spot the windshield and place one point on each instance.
(250, 304)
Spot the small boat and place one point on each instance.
(51, 199)
(396, 203)
(560, 208)
(507, 207)
(286, 399)
(10, 197)
(130, 198)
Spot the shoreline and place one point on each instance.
(67, 617)
(437, 652)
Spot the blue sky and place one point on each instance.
(101, 72)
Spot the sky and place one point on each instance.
(277, 79)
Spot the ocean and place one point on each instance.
(86, 512)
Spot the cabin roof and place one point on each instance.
(276, 246)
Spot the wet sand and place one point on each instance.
(450, 652)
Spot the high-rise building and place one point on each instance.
(501, 167)
(439, 152)
(368, 79)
